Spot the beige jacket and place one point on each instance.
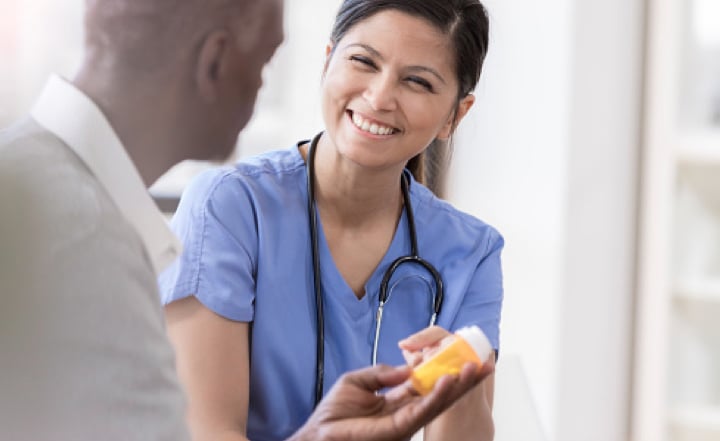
(83, 350)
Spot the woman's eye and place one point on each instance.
(421, 82)
(362, 60)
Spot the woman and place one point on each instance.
(242, 308)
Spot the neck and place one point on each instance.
(354, 195)
(140, 117)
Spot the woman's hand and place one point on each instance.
(422, 345)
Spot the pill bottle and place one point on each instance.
(468, 344)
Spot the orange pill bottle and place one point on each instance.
(468, 344)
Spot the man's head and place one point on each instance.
(192, 66)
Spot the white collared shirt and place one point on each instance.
(74, 118)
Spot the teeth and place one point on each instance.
(367, 126)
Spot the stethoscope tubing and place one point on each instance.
(319, 316)
(414, 257)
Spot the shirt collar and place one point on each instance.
(74, 118)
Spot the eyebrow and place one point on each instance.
(377, 54)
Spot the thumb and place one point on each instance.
(427, 337)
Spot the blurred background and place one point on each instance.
(594, 147)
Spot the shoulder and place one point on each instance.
(251, 179)
(57, 202)
(23, 132)
(26, 149)
(445, 224)
(35, 163)
(276, 162)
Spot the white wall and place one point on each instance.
(602, 212)
(511, 171)
(550, 157)
(37, 37)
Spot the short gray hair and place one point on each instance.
(152, 35)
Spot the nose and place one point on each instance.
(380, 93)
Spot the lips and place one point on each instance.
(371, 126)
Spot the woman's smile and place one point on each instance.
(371, 126)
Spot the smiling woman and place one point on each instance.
(398, 76)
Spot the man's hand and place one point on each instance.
(353, 411)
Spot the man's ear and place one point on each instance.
(212, 63)
(454, 119)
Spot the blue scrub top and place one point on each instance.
(247, 256)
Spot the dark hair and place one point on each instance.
(465, 22)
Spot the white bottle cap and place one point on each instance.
(477, 340)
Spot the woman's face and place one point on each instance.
(389, 89)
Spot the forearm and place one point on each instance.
(470, 418)
(213, 365)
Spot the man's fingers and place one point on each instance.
(449, 388)
(393, 376)
(474, 374)
(400, 394)
(377, 377)
(442, 396)
(488, 367)
(411, 411)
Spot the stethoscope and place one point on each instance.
(413, 257)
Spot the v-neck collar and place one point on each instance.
(331, 276)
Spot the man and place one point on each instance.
(83, 349)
